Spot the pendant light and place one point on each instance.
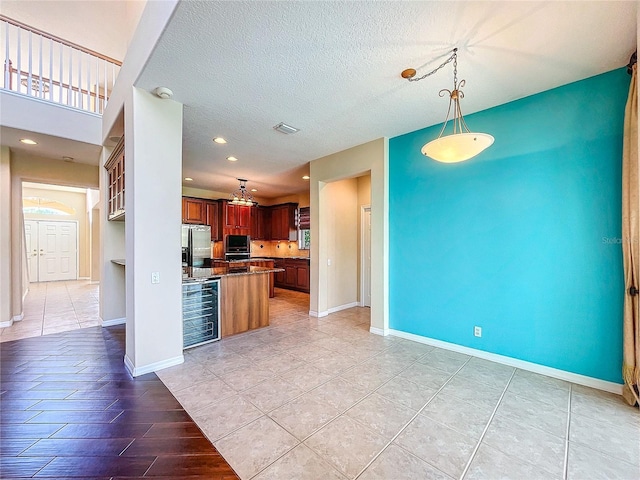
(462, 144)
(241, 197)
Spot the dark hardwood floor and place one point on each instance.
(70, 409)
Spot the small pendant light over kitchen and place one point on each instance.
(462, 144)
(241, 197)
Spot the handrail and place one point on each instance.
(59, 40)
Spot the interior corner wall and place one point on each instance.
(364, 198)
(340, 198)
(523, 240)
(112, 247)
(369, 157)
(5, 237)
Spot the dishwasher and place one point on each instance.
(200, 312)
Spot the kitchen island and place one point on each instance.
(243, 295)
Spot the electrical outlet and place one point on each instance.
(477, 331)
(155, 277)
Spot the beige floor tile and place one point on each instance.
(224, 416)
(491, 464)
(425, 375)
(587, 464)
(267, 440)
(306, 377)
(621, 442)
(271, 394)
(398, 464)
(407, 393)
(444, 360)
(304, 415)
(346, 445)
(339, 393)
(442, 447)
(202, 394)
(534, 413)
(459, 415)
(381, 415)
(300, 464)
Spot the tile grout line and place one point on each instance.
(412, 419)
(484, 432)
(565, 469)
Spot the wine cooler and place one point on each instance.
(200, 312)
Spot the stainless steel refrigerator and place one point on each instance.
(196, 244)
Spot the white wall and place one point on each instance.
(5, 237)
(357, 161)
(153, 191)
(339, 200)
(364, 198)
(105, 26)
(34, 115)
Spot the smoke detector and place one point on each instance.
(286, 129)
(163, 92)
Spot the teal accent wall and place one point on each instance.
(522, 240)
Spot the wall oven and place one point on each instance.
(237, 247)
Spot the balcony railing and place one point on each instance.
(44, 66)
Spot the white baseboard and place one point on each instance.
(342, 307)
(6, 324)
(17, 318)
(514, 362)
(114, 321)
(379, 331)
(153, 367)
(94, 282)
(84, 278)
(313, 313)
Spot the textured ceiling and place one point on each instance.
(332, 69)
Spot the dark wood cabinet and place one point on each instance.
(194, 211)
(212, 210)
(115, 172)
(283, 222)
(235, 219)
(260, 223)
(295, 275)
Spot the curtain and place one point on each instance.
(630, 246)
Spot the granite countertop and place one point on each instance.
(197, 273)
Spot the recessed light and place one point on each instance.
(28, 141)
(286, 129)
(306, 177)
(254, 189)
(219, 140)
(232, 159)
(188, 179)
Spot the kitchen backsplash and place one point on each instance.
(271, 248)
(276, 249)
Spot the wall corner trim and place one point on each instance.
(17, 318)
(313, 313)
(514, 362)
(6, 324)
(379, 331)
(152, 367)
(114, 321)
(342, 307)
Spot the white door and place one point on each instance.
(31, 246)
(366, 257)
(57, 250)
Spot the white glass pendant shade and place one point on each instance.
(457, 147)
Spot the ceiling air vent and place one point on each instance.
(284, 128)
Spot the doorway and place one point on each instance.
(365, 261)
(52, 250)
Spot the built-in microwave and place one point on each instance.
(237, 244)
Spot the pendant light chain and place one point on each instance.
(452, 58)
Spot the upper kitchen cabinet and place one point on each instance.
(235, 219)
(115, 169)
(194, 211)
(213, 214)
(283, 222)
(260, 223)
